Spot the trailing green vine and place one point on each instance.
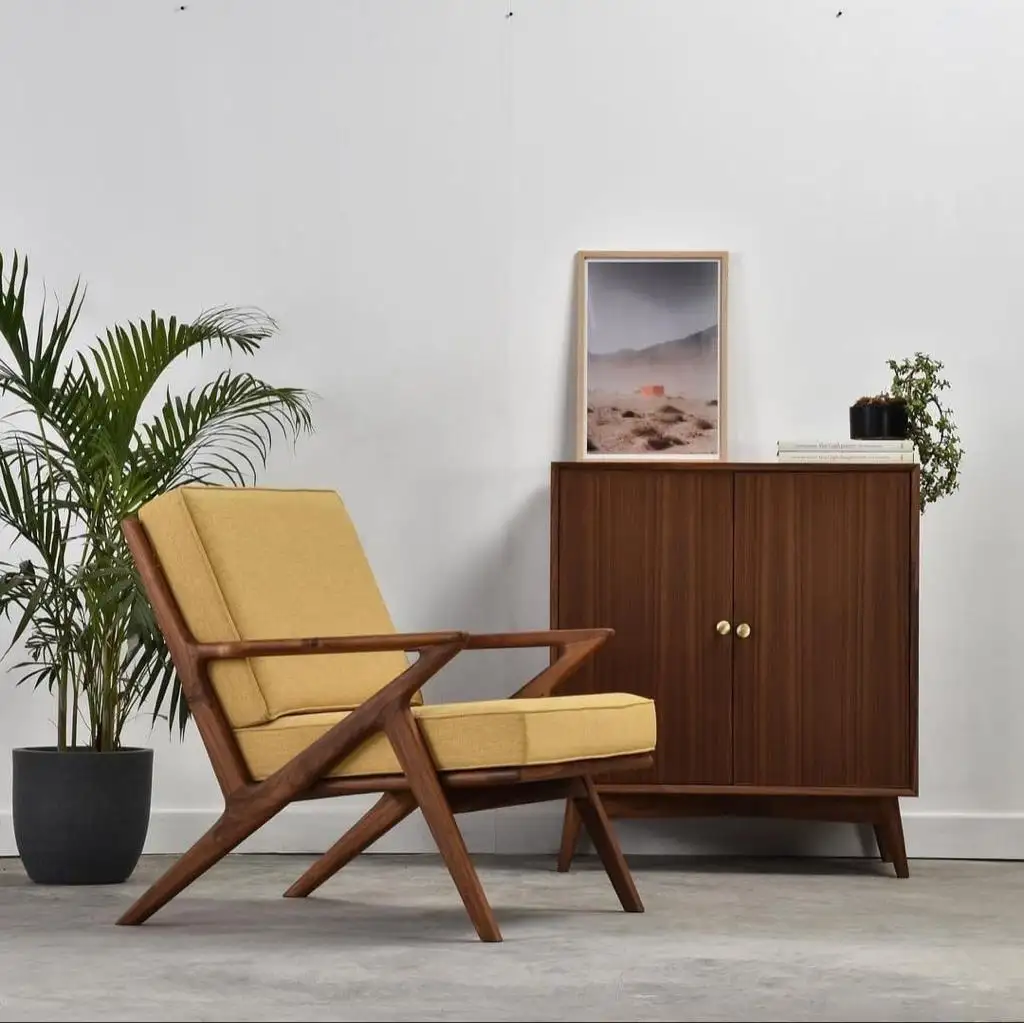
(918, 382)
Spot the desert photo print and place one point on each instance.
(651, 356)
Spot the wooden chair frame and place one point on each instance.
(439, 795)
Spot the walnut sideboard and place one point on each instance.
(771, 611)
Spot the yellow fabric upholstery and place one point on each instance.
(253, 563)
(465, 736)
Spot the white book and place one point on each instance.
(866, 457)
(845, 445)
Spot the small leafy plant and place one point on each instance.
(919, 382)
(878, 399)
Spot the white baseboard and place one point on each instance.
(929, 835)
(532, 830)
(311, 828)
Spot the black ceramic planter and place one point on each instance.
(883, 421)
(81, 817)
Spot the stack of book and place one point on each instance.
(846, 451)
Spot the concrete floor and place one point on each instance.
(387, 940)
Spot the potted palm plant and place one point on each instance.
(78, 453)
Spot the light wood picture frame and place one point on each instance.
(651, 355)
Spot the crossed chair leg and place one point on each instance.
(426, 793)
(439, 811)
(392, 808)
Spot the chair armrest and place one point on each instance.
(327, 645)
(549, 638)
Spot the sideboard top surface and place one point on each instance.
(641, 465)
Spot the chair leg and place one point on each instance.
(230, 830)
(599, 827)
(570, 836)
(391, 809)
(419, 769)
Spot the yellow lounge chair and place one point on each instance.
(301, 689)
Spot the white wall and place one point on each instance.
(403, 185)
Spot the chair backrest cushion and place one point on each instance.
(258, 563)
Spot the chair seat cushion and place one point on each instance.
(467, 736)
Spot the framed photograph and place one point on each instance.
(651, 331)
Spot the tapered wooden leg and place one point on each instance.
(894, 843)
(225, 835)
(880, 839)
(391, 809)
(419, 769)
(570, 836)
(592, 812)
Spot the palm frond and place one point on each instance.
(218, 431)
(151, 676)
(37, 370)
(32, 504)
(12, 305)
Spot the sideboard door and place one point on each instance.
(649, 553)
(823, 579)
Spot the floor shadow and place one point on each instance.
(790, 865)
(328, 922)
(690, 863)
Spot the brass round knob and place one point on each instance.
(743, 630)
(723, 628)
